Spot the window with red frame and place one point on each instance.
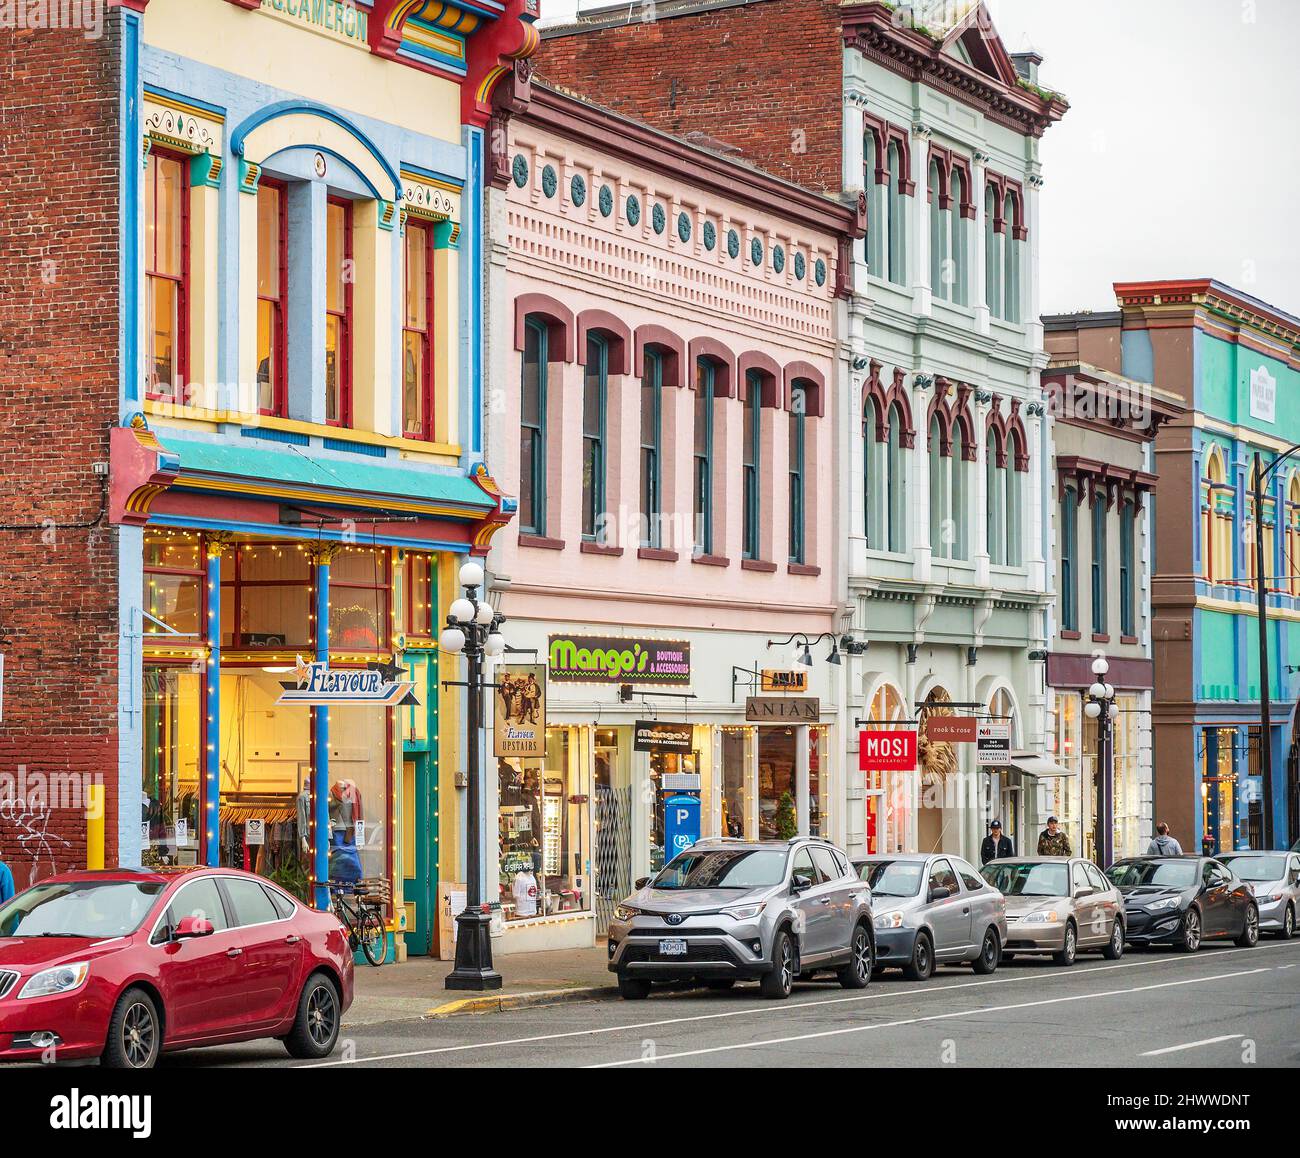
(167, 260)
(338, 312)
(417, 333)
(272, 296)
(359, 600)
(419, 615)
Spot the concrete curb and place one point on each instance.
(499, 1002)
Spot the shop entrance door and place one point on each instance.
(612, 859)
(420, 885)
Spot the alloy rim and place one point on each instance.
(1252, 925)
(1117, 937)
(321, 1014)
(787, 966)
(1288, 926)
(1193, 930)
(862, 956)
(1069, 942)
(138, 1034)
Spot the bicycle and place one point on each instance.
(355, 906)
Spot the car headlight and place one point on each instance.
(1161, 905)
(63, 979)
(1042, 917)
(745, 912)
(892, 920)
(625, 913)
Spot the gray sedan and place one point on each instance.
(1058, 905)
(1274, 878)
(933, 909)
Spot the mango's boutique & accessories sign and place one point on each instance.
(600, 659)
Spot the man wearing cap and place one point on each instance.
(995, 844)
(1053, 842)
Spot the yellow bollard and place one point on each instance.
(95, 826)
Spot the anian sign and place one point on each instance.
(783, 709)
(892, 750)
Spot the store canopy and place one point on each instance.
(1036, 764)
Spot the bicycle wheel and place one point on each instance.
(374, 937)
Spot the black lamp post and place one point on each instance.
(1100, 706)
(1262, 472)
(473, 629)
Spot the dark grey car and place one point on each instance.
(1274, 878)
(733, 910)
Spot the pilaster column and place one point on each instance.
(801, 779)
(322, 555)
(922, 551)
(218, 543)
(1033, 319)
(919, 220)
(855, 177)
(981, 294)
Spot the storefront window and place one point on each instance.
(665, 764)
(172, 744)
(888, 794)
(543, 812)
(1061, 796)
(420, 596)
(777, 797)
(359, 600)
(1127, 791)
(737, 794)
(1219, 786)
(612, 822)
(266, 596)
(360, 791)
(173, 583)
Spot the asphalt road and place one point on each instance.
(1222, 1007)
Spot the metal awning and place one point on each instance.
(1036, 764)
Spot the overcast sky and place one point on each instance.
(1180, 156)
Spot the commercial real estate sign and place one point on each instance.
(604, 659)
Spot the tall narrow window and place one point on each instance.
(875, 515)
(897, 216)
(1069, 559)
(705, 376)
(995, 506)
(594, 384)
(798, 419)
(1011, 262)
(532, 430)
(957, 514)
(992, 254)
(752, 436)
(939, 275)
(272, 296)
(896, 498)
(1015, 502)
(1100, 615)
(877, 202)
(417, 333)
(1291, 564)
(957, 239)
(1216, 522)
(652, 402)
(166, 276)
(940, 537)
(1127, 555)
(338, 312)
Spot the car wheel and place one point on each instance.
(780, 980)
(1250, 931)
(862, 959)
(921, 965)
(134, 1033)
(1071, 948)
(1115, 946)
(987, 961)
(1288, 924)
(315, 1029)
(633, 988)
(1192, 930)
(719, 983)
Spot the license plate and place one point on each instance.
(672, 947)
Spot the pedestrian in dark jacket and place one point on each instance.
(996, 845)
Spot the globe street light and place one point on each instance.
(1100, 706)
(474, 630)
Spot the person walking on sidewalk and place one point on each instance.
(995, 844)
(1164, 844)
(1053, 841)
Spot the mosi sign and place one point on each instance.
(892, 750)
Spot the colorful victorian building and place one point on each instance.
(292, 195)
(1234, 363)
(667, 368)
(942, 438)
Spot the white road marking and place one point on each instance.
(788, 1007)
(1193, 1044)
(921, 1020)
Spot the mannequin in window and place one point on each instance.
(345, 815)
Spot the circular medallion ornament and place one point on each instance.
(658, 218)
(733, 243)
(710, 234)
(318, 163)
(683, 227)
(756, 251)
(632, 209)
(519, 170)
(800, 266)
(778, 258)
(819, 272)
(606, 200)
(550, 181)
(578, 189)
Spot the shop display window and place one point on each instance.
(737, 793)
(359, 600)
(173, 583)
(360, 792)
(266, 596)
(420, 609)
(171, 802)
(665, 764)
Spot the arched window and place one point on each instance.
(418, 331)
(959, 488)
(1010, 261)
(797, 460)
(957, 242)
(1216, 521)
(896, 500)
(874, 517)
(751, 436)
(1291, 565)
(705, 382)
(652, 388)
(995, 505)
(1015, 509)
(272, 298)
(897, 216)
(940, 532)
(992, 254)
(877, 206)
(167, 245)
(940, 275)
(532, 429)
(1069, 548)
(595, 386)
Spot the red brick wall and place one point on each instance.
(766, 78)
(58, 396)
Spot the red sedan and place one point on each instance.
(124, 964)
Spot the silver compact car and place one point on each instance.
(933, 910)
(1274, 878)
(725, 911)
(1058, 905)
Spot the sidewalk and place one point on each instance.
(415, 988)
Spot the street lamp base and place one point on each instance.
(473, 954)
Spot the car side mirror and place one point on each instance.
(939, 893)
(799, 883)
(1087, 891)
(640, 882)
(189, 927)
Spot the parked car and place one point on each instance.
(124, 965)
(1274, 878)
(734, 910)
(933, 910)
(1058, 905)
(1184, 900)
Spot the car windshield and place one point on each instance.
(731, 868)
(893, 878)
(1025, 879)
(1160, 874)
(1257, 868)
(98, 909)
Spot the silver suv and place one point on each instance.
(739, 910)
